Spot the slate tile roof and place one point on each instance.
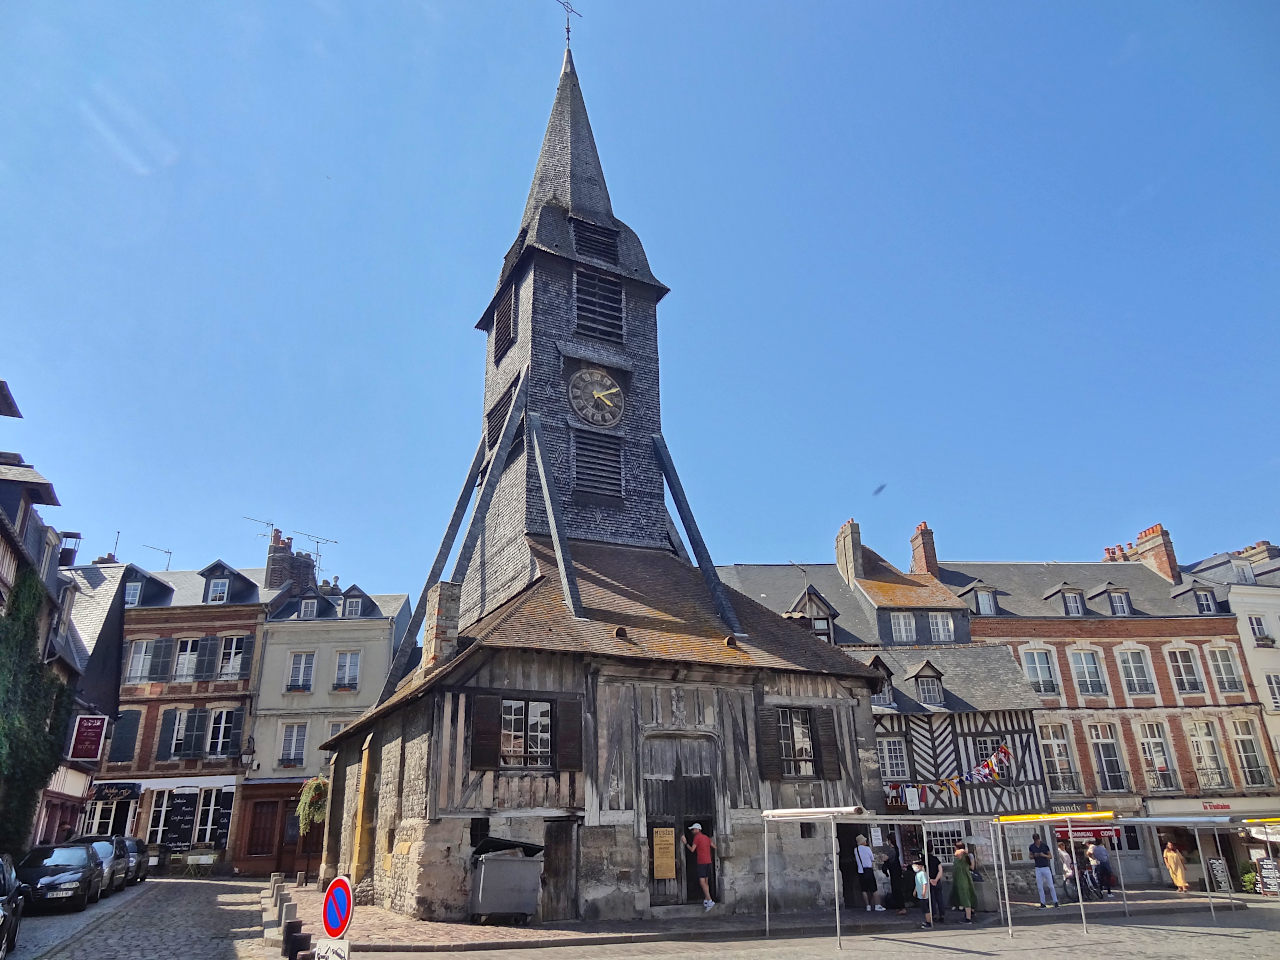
(1029, 589)
(188, 588)
(97, 586)
(778, 586)
(664, 609)
(975, 677)
(887, 586)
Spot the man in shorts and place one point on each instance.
(701, 845)
(866, 861)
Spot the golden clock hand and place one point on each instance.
(607, 392)
(601, 396)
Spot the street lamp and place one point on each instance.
(246, 753)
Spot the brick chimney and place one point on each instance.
(1155, 549)
(1262, 550)
(924, 559)
(849, 552)
(303, 567)
(440, 625)
(279, 560)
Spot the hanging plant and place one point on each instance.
(311, 803)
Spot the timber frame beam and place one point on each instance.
(555, 517)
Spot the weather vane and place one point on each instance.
(568, 9)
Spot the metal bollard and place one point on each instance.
(290, 930)
(298, 943)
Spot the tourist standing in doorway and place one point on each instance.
(866, 861)
(1042, 857)
(962, 881)
(702, 845)
(1176, 866)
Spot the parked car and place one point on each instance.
(12, 903)
(115, 860)
(69, 873)
(139, 864)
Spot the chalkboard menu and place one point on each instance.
(180, 825)
(1268, 877)
(1221, 882)
(225, 799)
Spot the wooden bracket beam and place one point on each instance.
(718, 594)
(555, 517)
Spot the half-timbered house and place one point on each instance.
(583, 683)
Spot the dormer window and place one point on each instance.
(885, 697)
(1119, 603)
(822, 628)
(1074, 603)
(1205, 602)
(218, 590)
(352, 607)
(987, 603)
(904, 627)
(941, 627)
(132, 592)
(1243, 570)
(929, 690)
(308, 610)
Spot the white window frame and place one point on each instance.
(521, 726)
(186, 651)
(343, 671)
(1226, 670)
(132, 593)
(903, 626)
(178, 740)
(1206, 758)
(220, 724)
(942, 628)
(986, 603)
(219, 590)
(1205, 602)
(161, 803)
(1273, 687)
(1102, 735)
(1157, 757)
(1120, 605)
(231, 657)
(351, 607)
(1073, 599)
(307, 609)
(1258, 625)
(1088, 686)
(1245, 740)
(302, 665)
(293, 741)
(337, 726)
(207, 810)
(885, 697)
(925, 687)
(1135, 668)
(893, 758)
(1243, 570)
(1047, 685)
(1185, 672)
(821, 628)
(140, 653)
(1056, 757)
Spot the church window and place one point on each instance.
(598, 300)
(597, 464)
(496, 418)
(595, 241)
(504, 323)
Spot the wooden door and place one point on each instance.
(679, 790)
(560, 871)
(262, 828)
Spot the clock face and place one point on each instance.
(595, 397)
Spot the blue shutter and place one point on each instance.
(162, 659)
(246, 658)
(197, 729)
(207, 658)
(164, 745)
(124, 737)
(237, 731)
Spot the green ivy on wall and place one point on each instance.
(35, 707)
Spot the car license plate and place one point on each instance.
(60, 893)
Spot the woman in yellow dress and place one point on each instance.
(1176, 866)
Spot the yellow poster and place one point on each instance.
(664, 853)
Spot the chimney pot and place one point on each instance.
(924, 558)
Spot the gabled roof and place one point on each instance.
(810, 592)
(8, 406)
(922, 668)
(975, 677)
(887, 586)
(13, 469)
(188, 587)
(775, 585)
(663, 609)
(1029, 589)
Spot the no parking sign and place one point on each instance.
(338, 908)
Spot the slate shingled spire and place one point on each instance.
(569, 174)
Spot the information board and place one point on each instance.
(664, 853)
(331, 950)
(180, 824)
(86, 738)
(1221, 881)
(1268, 883)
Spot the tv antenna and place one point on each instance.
(568, 9)
(266, 523)
(168, 554)
(317, 540)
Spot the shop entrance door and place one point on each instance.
(679, 790)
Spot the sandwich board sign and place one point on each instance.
(335, 914)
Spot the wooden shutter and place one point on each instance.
(226, 800)
(568, 735)
(767, 747)
(237, 731)
(824, 723)
(207, 657)
(597, 464)
(486, 732)
(197, 727)
(164, 745)
(503, 327)
(124, 737)
(599, 305)
(161, 660)
(246, 658)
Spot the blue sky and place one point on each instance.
(1017, 262)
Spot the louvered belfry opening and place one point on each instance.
(597, 464)
(599, 305)
(504, 333)
(594, 240)
(497, 416)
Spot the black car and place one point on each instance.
(139, 863)
(115, 860)
(11, 905)
(69, 873)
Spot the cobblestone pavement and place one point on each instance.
(1188, 936)
(43, 929)
(164, 919)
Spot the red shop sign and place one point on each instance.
(86, 740)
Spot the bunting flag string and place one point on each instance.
(989, 770)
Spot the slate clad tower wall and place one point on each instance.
(568, 185)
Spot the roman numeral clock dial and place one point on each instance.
(596, 397)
